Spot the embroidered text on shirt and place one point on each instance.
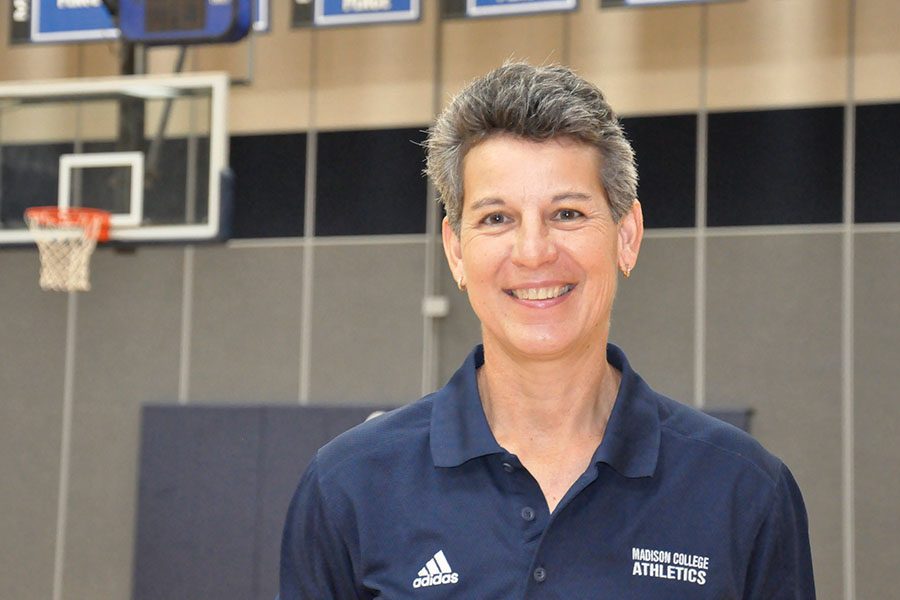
(669, 565)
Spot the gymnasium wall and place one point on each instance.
(767, 138)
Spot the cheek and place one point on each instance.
(598, 257)
(481, 261)
(602, 273)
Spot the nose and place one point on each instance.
(534, 245)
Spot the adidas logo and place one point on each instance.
(436, 571)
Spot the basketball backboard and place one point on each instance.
(66, 21)
(152, 150)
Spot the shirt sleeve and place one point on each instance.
(781, 563)
(316, 562)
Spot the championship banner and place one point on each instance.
(68, 21)
(489, 8)
(328, 13)
(356, 12)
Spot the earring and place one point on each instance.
(460, 284)
(626, 271)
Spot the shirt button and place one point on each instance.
(540, 574)
(508, 467)
(528, 513)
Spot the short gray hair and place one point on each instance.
(535, 103)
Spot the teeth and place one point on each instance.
(541, 293)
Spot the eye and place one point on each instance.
(568, 214)
(495, 219)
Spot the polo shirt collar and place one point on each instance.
(460, 431)
(631, 440)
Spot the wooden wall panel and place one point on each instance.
(777, 53)
(645, 61)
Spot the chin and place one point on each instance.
(547, 341)
(545, 345)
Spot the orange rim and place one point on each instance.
(71, 217)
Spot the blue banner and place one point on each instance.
(484, 8)
(70, 21)
(353, 12)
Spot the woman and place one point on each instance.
(546, 468)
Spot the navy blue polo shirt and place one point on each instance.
(424, 503)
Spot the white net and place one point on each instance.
(65, 240)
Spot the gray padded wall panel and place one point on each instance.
(653, 316)
(774, 344)
(459, 331)
(877, 413)
(367, 324)
(32, 363)
(245, 341)
(127, 354)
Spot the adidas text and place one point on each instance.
(437, 571)
(435, 579)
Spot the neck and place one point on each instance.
(547, 403)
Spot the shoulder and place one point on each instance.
(689, 429)
(691, 443)
(388, 440)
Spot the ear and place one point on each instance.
(453, 250)
(631, 232)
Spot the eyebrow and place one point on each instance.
(563, 197)
(489, 201)
(567, 196)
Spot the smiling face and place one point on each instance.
(538, 249)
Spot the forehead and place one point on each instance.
(507, 139)
(505, 160)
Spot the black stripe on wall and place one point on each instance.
(29, 176)
(270, 179)
(370, 182)
(877, 185)
(666, 150)
(775, 167)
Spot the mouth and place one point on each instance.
(541, 293)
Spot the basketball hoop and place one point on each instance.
(66, 238)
